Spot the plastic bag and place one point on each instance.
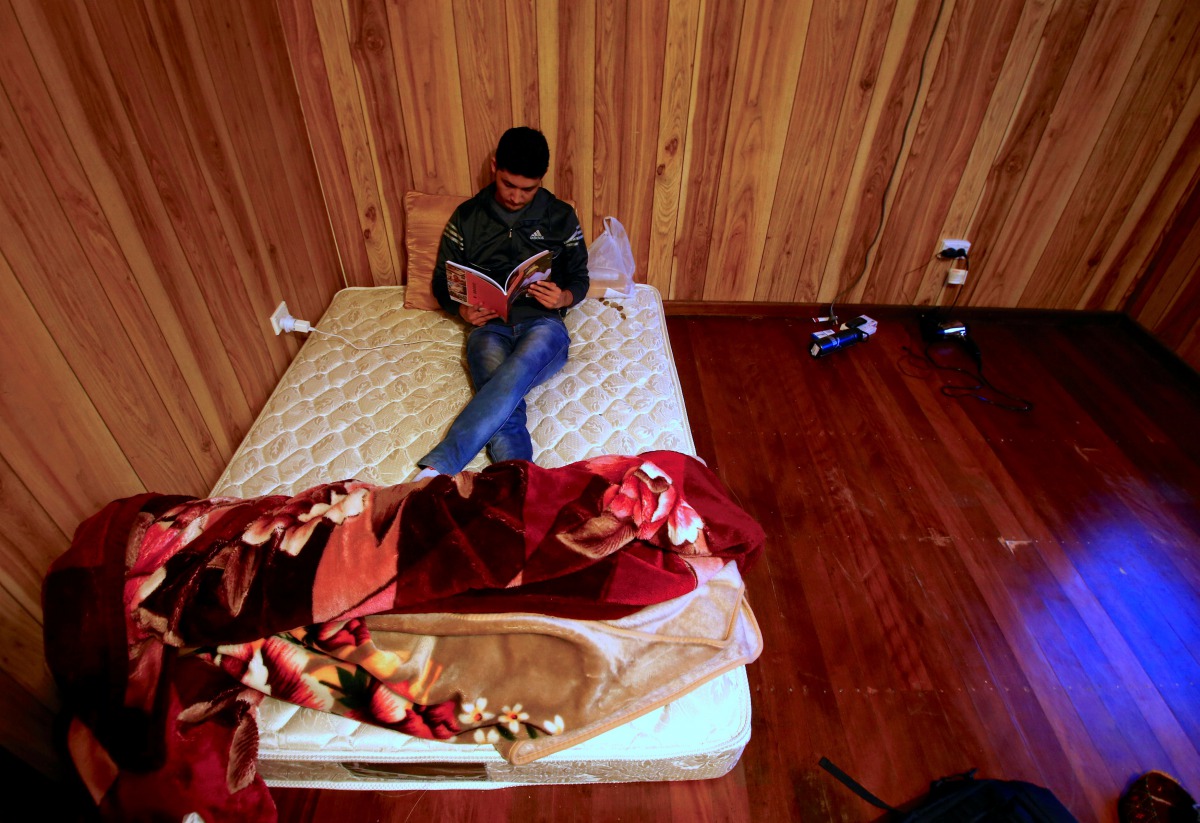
(610, 262)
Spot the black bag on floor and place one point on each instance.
(961, 798)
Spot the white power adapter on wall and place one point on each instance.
(282, 321)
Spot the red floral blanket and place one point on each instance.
(165, 607)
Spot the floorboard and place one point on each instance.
(947, 585)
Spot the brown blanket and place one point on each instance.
(567, 681)
(231, 581)
(532, 684)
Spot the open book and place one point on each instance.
(473, 287)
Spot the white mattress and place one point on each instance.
(367, 408)
(696, 737)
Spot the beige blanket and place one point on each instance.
(572, 678)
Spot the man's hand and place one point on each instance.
(550, 295)
(475, 315)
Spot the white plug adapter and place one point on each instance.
(282, 321)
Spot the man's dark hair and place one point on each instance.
(523, 151)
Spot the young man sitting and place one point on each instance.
(504, 224)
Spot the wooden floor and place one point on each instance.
(947, 584)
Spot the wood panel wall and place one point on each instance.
(790, 151)
(1167, 300)
(170, 170)
(158, 197)
(763, 150)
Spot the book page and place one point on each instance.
(529, 272)
(473, 287)
(456, 282)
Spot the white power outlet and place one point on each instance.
(278, 316)
(954, 248)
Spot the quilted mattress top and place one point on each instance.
(367, 406)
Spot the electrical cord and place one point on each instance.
(291, 324)
(883, 204)
(957, 292)
(456, 347)
(979, 382)
(946, 311)
(918, 267)
(423, 341)
(971, 348)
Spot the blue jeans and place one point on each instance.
(505, 363)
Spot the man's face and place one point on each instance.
(513, 191)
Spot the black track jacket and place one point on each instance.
(475, 236)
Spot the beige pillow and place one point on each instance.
(425, 217)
